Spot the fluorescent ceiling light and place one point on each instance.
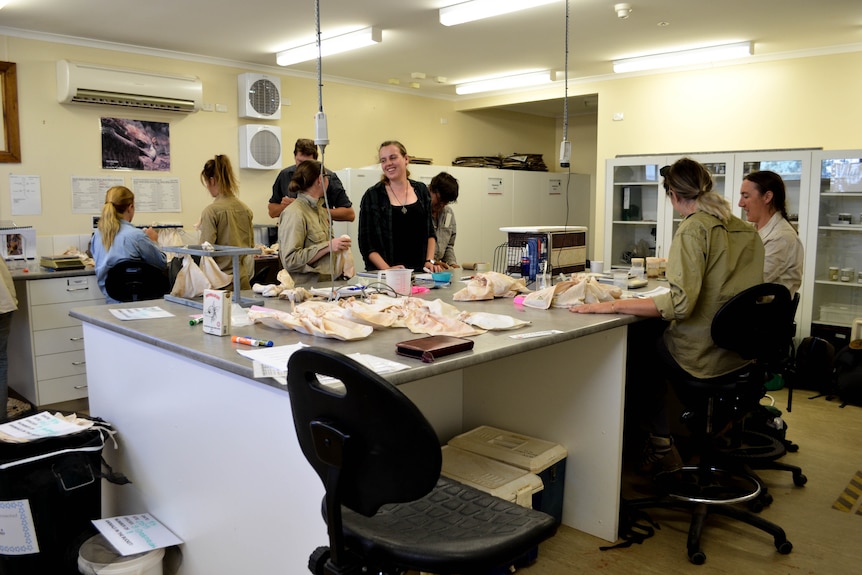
(506, 82)
(479, 9)
(329, 46)
(683, 57)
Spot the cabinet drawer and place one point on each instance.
(62, 389)
(68, 289)
(56, 315)
(60, 365)
(48, 341)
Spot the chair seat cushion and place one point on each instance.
(453, 529)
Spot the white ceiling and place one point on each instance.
(249, 32)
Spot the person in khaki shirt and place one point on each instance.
(764, 199)
(227, 221)
(8, 304)
(714, 255)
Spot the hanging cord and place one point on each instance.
(566, 80)
(322, 140)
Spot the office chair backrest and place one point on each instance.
(136, 280)
(390, 454)
(755, 323)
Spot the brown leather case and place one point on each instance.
(430, 348)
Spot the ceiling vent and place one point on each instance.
(259, 96)
(260, 147)
(96, 84)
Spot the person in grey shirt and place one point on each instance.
(444, 191)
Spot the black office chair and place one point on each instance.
(753, 324)
(136, 280)
(387, 508)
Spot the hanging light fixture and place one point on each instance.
(479, 9)
(328, 46)
(684, 57)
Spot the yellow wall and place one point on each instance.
(60, 141)
(790, 103)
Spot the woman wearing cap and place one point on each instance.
(713, 256)
(764, 199)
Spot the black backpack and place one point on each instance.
(812, 367)
(848, 374)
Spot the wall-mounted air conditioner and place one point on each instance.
(259, 96)
(260, 147)
(96, 84)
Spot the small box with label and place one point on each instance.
(216, 308)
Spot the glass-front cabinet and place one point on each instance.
(833, 246)
(637, 210)
(641, 220)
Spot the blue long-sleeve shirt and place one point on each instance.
(130, 243)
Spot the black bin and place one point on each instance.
(59, 478)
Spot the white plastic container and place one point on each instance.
(98, 557)
(544, 458)
(494, 477)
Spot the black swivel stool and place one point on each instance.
(387, 508)
(754, 324)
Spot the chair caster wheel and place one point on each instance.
(784, 547)
(698, 557)
(800, 480)
(317, 560)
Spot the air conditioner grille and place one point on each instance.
(107, 98)
(265, 148)
(264, 97)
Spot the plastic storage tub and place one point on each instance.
(491, 476)
(544, 458)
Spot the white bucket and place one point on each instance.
(98, 557)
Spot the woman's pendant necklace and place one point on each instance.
(403, 207)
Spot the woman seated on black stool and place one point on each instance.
(713, 256)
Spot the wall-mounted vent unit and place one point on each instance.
(97, 84)
(259, 96)
(260, 147)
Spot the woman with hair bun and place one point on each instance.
(714, 255)
(116, 239)
(227, 221)
(305, 244)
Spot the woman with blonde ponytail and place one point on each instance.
(227, 221)
(117, 239)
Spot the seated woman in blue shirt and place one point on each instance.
(116, 239)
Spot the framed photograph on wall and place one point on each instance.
(135, 145)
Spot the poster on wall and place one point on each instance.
(135, 145)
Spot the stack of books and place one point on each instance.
(56, 263)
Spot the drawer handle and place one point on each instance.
(80, 386)
(85, 288)
(78, 362)
(76, 338)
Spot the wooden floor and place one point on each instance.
(825, 540)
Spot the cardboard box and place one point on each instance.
(544, 458)
(216, 308)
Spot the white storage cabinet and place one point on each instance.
(46, 345)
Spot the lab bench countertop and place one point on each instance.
(176, 335)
